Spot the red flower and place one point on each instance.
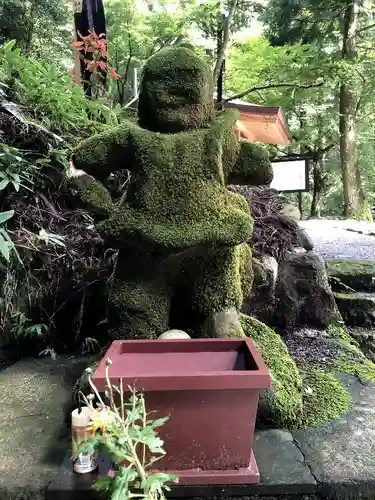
(113, 74)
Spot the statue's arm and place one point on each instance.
(252, 167)
(104, 153)
(93, 160)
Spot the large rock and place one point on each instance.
(291, 211)
(356, 274)
(357, 309)
(303, 294)
(33, 436)
(365, 337)
(341, 454)
(261, 300)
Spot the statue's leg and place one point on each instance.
(140, 296)
(224, 277)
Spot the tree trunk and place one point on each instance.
(317, 187)
(225, 28)
(351, 179)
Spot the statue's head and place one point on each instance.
(176, 91)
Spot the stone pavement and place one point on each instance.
(33, 436)
(334, 462)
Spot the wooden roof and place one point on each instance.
(261, 123)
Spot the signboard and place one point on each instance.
(291, 175)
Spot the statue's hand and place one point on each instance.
(72, 172)
(78, 179)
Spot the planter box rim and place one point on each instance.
(256, 378)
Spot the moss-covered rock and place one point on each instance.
(325, 398)
(285, 399)
(357, 309)
(302, 394)
(365, 337)
(356, 274)
(181, 233)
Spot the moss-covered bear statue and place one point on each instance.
(183, 259)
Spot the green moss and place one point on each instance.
(178, 215)
(236, 331)
(286, 400)
(176, 92)
(95, 197)
(325, 398)
(338, 332)
(253, 166)
(304, 395)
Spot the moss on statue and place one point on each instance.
(181, 233)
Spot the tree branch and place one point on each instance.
(226, 35)
(240, 95)
(365, 28)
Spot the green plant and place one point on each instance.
(46, 93)
(15, 170)
(131, 439)
(22, 327)
(6, 244)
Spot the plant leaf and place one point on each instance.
(4, 216)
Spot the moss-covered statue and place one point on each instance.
(181, 234)
(183, 259)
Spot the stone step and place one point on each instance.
(333, 462)
(33, 434)
(366, 340)
(358, 275)
(357, 309)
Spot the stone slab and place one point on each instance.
(341, 455)
(33, 436)
(281, 464)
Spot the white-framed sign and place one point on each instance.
(290, 175)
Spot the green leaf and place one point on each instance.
(87, 447)
(5, 216)
(3, 184)
(158, 422)
(4, 248)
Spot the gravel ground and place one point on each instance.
(342, 239)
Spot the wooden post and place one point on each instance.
(77, 8)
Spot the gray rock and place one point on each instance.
(272, 266)
(174, 334)
(260, 302)
(33, 436)
(357, 309)
(303, 294)
(305, 240)
(341, 455)
(280, 462)
(357, 275)
(221, 323)
(366, 340)
(291, 211)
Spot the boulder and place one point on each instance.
(365, 337)
(260, 302)
(291, 211)
(174, 334)
(303, 294)
(357, 309)
(304, 239)
(358, 275)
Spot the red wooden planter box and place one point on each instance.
(210, 389)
